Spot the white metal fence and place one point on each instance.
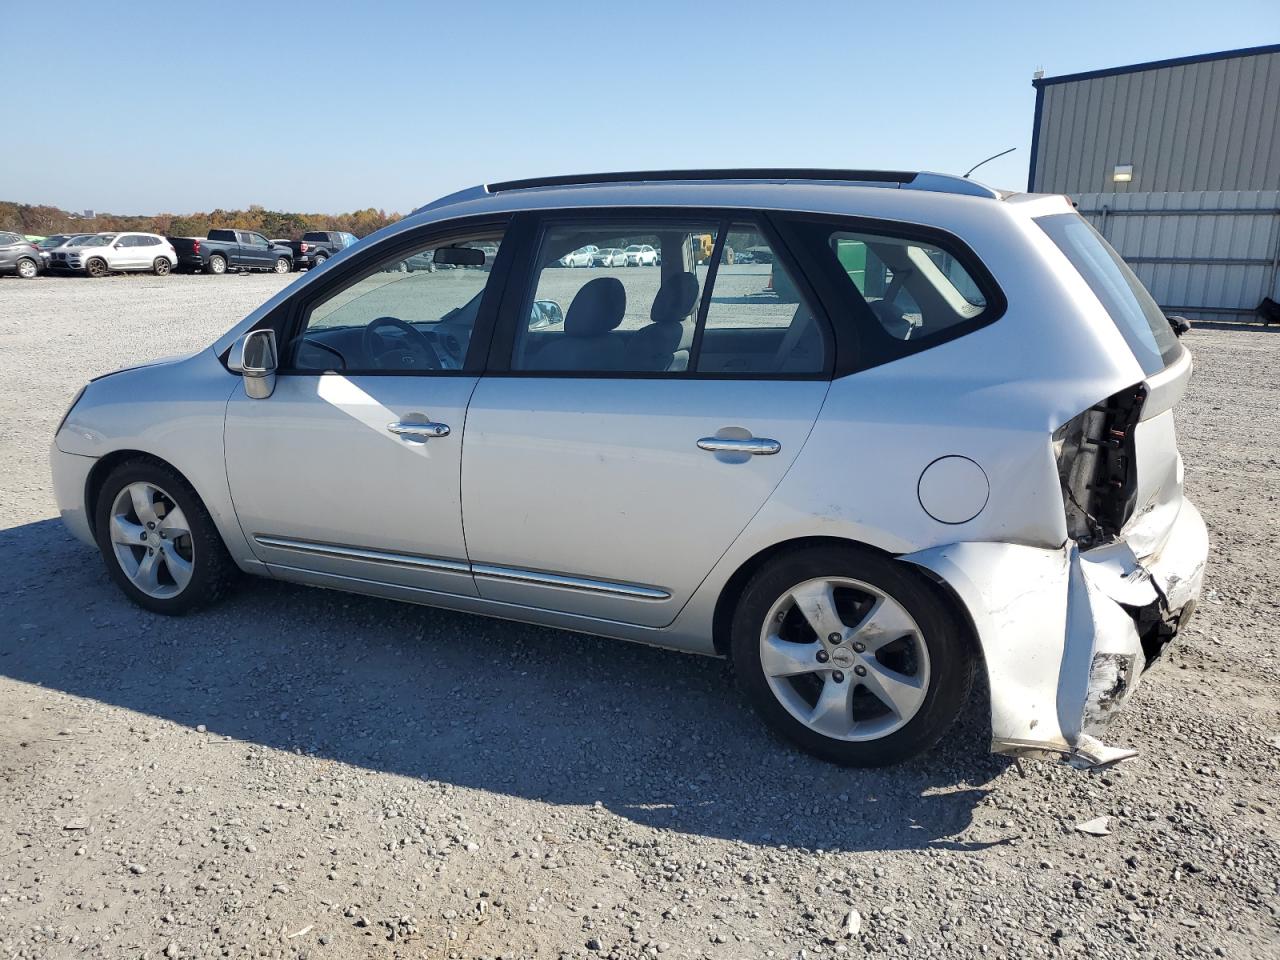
(1207, 254)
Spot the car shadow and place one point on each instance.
(661, 738)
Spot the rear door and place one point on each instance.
(612, 456)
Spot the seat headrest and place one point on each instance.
(675, 299)
(597, 308)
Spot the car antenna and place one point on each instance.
(988, 160)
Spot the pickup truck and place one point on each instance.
(224, 250)
(317, 246)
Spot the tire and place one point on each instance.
(282, 265)
(217, 264)
(161, 267)
(97, 267)
(28, 269)
(318, 262)
(210, 570)
(926, 663)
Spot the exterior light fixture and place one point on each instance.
(1122, 173)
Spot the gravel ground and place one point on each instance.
(303, 773)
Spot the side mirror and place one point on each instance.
(545, 313)
(254, 358)
(1180, 324)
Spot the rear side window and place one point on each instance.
(913, 288)
(1133, 310)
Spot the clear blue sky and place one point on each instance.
(323, 106)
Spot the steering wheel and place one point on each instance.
(414, 353)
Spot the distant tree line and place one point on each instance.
(42, 220)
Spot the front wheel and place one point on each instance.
(158, 541)
(282, 265)
(161, 267)
(852, 656)
(27, 268)
(97, 267)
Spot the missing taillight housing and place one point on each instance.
(1096, 466)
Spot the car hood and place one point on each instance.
(158, 362)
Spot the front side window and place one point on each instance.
(1133, 310)
(413, 314)
(632, 319)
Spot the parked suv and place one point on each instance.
(952, 450)
(102, 253)
(19, 255)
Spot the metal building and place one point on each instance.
(1177, 162)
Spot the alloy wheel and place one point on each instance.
(26, 269)
(151, 540)
(845, 659)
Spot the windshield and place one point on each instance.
(96, 241)
(1133, 310)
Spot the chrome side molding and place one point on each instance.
(489, 571)
(409, 560)
(514, 575)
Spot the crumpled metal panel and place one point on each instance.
(1061, 650)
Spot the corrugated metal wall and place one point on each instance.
(1211, 125)
(1209, 255)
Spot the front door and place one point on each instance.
(350, 470)
(626, 447)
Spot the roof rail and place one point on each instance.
(902, 179)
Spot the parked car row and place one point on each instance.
(636, 255)
(220, 251)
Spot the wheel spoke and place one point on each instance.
(897, 691)
(782, 658)
(178, 568)
(143, 506)
(174, 523)
(886, 622)
(833, 713)
(147, 574)
(817, 602)
(122, 531)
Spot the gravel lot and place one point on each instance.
(304, 773)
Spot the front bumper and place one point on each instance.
(1065, 635)
(70, 483)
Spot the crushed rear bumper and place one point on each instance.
(1066, 635)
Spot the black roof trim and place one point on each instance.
(651, 176)
(1158, 65)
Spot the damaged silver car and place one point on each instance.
(926, 429)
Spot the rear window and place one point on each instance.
(317, 237)
(1133, 310)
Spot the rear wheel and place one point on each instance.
(161, 267)
(97, 267)
(850, 655)
(158, 541)
(318, 262)
(217, 264)
(282, 265)
(27, 268)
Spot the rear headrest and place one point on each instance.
(597, 308)
(675, 299)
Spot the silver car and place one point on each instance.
(949, 448)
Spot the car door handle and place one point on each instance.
(757, 446)
(428, 429)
